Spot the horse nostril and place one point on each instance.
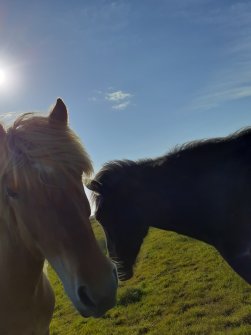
(84, 297)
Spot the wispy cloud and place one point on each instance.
(233, 80)
(120, 100)
(215, 98)
(117, 96)
(121, 105)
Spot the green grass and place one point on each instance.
(180, 287)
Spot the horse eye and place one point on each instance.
(11, 193)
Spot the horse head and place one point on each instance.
(117, 209)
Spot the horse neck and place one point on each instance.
(17, 261)
(168, 202)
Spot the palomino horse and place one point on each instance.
(44, 213)
(201, 190)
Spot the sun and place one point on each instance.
(9, 78)
(2, 77)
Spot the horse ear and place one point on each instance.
(94, 186)
(59, 113)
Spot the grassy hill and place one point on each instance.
(180, 287)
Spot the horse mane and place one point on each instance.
(113, 170)
(34, 139)
(209, 142)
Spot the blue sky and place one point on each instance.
(138, 77)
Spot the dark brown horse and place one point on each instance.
(202, 190)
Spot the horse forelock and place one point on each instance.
(110, 175)
(113, 171)
(34, 140)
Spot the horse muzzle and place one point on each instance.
(96, 302)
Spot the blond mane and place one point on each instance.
(35, 140)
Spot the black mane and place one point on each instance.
(123, 167)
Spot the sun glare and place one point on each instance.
(9, 78)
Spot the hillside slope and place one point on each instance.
(180, 286)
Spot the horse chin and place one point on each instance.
(89, 313)
(95, 311)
